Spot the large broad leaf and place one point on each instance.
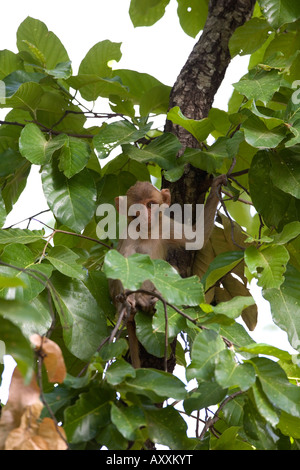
(222, 264)
(65, 261)
(279, 12)
(269, 201)
(74, 155)
(268, 264)
(97, 59)
(258, 135)
(162, 151)
(285, 172)
(285, 303)
(117, 133)
(17, 346)
(33, 144)
(92, 86)
(229, 373)
(91, 412)
(18, 235)
(21, 256)
(33, 36)
(281, 393)
(192, 15)
(80, 315)
(259, 86)
(27, 97)
(128, 420)
(132, 271)
(9, 62)
(168, 428)
(155, 384)
(174, 289)
(248, 38)
(207, 394)
(199, 129)
(73, 201)
(135, 269)
(145, 13)
(136, 83)
(206, 349)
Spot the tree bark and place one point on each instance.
(194, 92)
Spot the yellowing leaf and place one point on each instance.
(52, 358)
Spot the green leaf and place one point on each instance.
(145, 12)
(263, 404)
(259, 85)
(221, 265)
(74, 156)
(7, 281)
(229, 373)
(248, 38)
(132, 271)
(73, 201)
(9, 62)
(62, 71)
(80, 315)
(18, 235)
(234, 307)
(268, 264)
(269, 201)
(199, 129)
(27, 97)
(282, 394)
(119, 371)
(128, 420)
(206, 349)
(90, 413)
(33, 33)
(65, 261)
(285, 303)
(162, 151)
(288, 233)
(92, 86)
(17, 78)
(117, 133)
(192, 15)
(33, 144)
(229, 440)
(279, 12)
(155, 100)
(21, 256)
(289, 425)
(98, 57)
(207, 394)
(258, 135)
(167, 427)
(285, 172)
(18, 347)
(174, 288)
(155, 384)
(136, 83)
(152, 340)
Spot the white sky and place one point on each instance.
(160, 50)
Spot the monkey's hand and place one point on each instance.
(146, 302)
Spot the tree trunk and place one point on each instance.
(194, 92)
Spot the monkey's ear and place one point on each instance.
(166, 196)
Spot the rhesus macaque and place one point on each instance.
(146, 199)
